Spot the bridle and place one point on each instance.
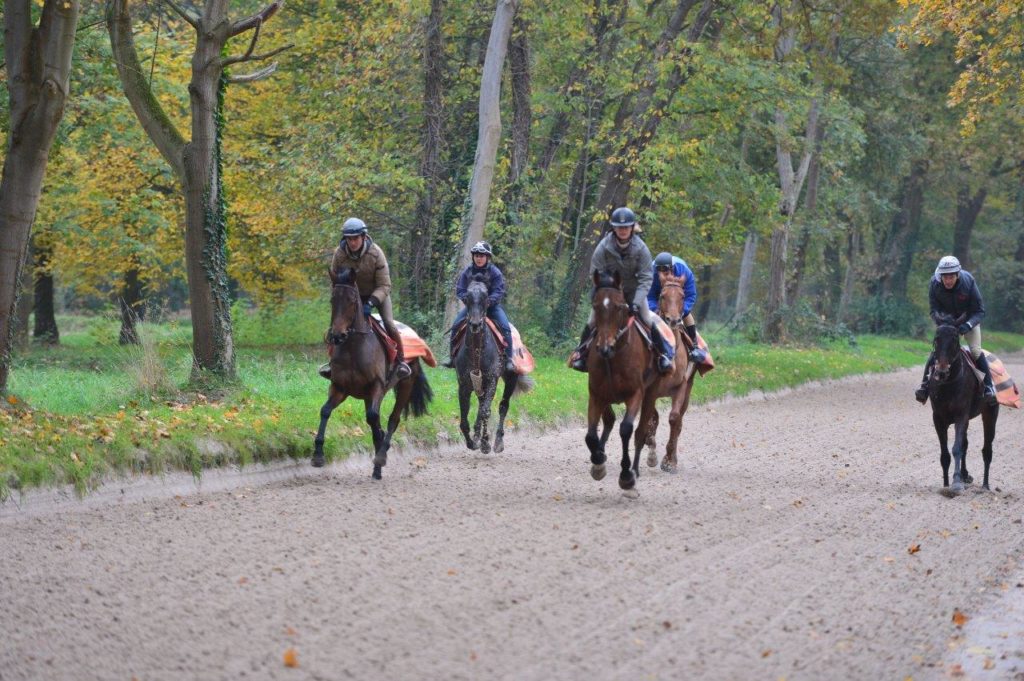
(335, 338)
(672, 323)
(955, 363)
(625, 327)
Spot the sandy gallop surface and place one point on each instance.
(803, 538)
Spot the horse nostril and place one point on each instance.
(605, 351)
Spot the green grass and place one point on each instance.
(79, 414)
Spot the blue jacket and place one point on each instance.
(679, 269)
(964, 297)
(492, 276)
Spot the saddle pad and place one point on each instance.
(521, 356)
(390, 349)
(414, 346)
(1007, 392)
(709, 363)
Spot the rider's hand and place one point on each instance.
(964, 328)
(367, 309)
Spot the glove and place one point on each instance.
(367, 309)
(964, 328)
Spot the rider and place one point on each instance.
(953, 292)
(495, 282)
(666, 263)
(373, 279)
(624, 251)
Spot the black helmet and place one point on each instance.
(623, 217)
(664, 259)
(482, 247)
(353, 227)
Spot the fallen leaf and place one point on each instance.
(959, 619)
(243, 580)
(766, 653)
(914, 548)
(988, 664)
(666, 624)
(420, 462)
(451, 572)
(288, 631)
(291, 658)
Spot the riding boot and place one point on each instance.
(401, 370)
(450, 362)
(990, 390)
(580, 363)
(696, 355)
(510, 365)
(665, 352)
(325, 370)
(921, 394)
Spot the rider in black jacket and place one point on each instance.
(953, 292)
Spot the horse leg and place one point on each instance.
(988, 421)
(942, 430)
(594, 443)
(652, 445)
(628, 474)
(680, 403)
(964, 475)
(483, 414)
(511, 380)
(464, 390)
(403, 393)
(642, 434)
(958, 455)
(607, 421)
(334, 398)
(380, 458)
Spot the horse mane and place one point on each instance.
(346, 277)
(605, 279)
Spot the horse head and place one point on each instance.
(611, 312)
(946, 344)
(346, 307)
(476, 303)
(671, 300)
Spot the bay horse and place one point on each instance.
(619, 368)
(677, 385)
(479, 363)
(955, 393)
(359, 369)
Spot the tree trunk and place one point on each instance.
(45, 328)
(897, 252)
(488, 137)
(38, 65)
(431, 167)
(807, 224)
(967, 209)
(23, 314)
(639, 115)
(828, 303)
(130, 302)
(746, 273)
(522, 117)
(852, 250)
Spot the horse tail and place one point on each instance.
(422, 394)
(525, 384)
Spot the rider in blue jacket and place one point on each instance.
(495, 281)
(666, 263)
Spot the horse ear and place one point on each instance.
(596, 276)
(616, 279)
(960, 320)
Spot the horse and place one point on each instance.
(955, 393)
(479, 363)
(619, 369)
(678, 384)
(359, 369)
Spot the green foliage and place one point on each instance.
(889, 316)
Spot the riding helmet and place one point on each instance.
(482, 247)
(353, 227)
(623, 217)
(664, 259)
(948, 265)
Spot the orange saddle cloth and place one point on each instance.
(521, 357)
(414, 346)
(1007, 392)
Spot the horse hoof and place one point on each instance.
(957, 487)
(627, 481)
(485, 447)
(652, 458)
(379, 462)
(376, 472)
(598, 471)
(318, 460)
(967, 479)
(499, 446)
(470, 445)
(986, 487)
(669, 467)
(631, 494)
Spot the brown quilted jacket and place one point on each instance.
(373, 279)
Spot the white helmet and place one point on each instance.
(948, 265)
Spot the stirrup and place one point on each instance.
(325, 370)
(989, 395)
(665, 365)
(580, 363)
(921, 395)
(402, 371)
(510, 366)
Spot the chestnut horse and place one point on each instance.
(678, 384)
(619, 368)
(359, 369)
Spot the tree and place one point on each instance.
(38, 62)
(197, 163)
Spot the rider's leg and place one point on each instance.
(498, 316)
(921, 394)
(580, 363)
(690, 324)
(401, 369)
(666, 353)
(459, 318)
(973, 338)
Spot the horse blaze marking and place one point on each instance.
(606, 302)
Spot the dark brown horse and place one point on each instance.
(677, 385)
(955, 393)
(359, 369)
(619, 368)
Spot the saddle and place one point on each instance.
(460, 335)
(390, 347)
(521, 356)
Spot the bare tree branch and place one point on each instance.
(249, 23)
(255, 75)
(248, 53)
(256, 57)
(188, 16)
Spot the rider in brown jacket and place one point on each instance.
(358, 251)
